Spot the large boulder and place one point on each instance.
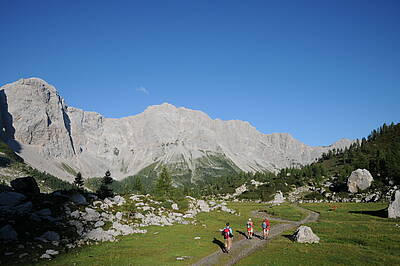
(359, 179)
(11, 198)
(7, 233)
(25, 185)
(304, 234)
(394, 207)
(278, 198)
(77, 198)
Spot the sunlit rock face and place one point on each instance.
(61, 140)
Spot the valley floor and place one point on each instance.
(351, 233)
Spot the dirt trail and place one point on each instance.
(244, 247)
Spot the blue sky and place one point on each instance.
(319, 70)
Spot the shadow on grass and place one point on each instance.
(242, 233)
(379, 213)
(290, 237)
(219, 243)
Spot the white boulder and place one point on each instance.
(394, 207)
(359, 179)
(304, 234)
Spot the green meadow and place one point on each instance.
(352, 234)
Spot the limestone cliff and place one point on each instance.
(62, 140)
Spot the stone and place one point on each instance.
(203, 206)
(52, 252)
(11, 198)
(50, 236)
(90, 215)
(278, 198)
(43, 212)
(77, 198)
(46, 256)
(75, 214)
(23, 208)
(118, 215)
(394, 206)
(359, 179)
(25, 185)
(124, 229)
(50, 131)
(98, 234)
(304, 234)
(174, 206)
(7, 233)
(99, 224)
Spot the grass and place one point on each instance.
(353, 234)
(162, 245)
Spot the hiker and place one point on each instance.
(266, 226)
(250, 229)
(228, 235)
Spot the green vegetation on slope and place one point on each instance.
(7, 155)
(379, 153)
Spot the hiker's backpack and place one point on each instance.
(226, 233)
(264, 225)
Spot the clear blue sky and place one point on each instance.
(319, 70)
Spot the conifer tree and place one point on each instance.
(164, 183)
(105, 191)
(79, 180)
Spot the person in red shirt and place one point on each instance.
(266, 226)
(250, 229)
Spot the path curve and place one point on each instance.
(244, 247)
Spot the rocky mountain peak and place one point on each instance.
(63, 140)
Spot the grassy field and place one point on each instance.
(353, 234)
(162, 245)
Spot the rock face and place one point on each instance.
(394, 207)
(359, 179)
(56, 138)
(304, 234)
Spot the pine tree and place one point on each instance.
(164, 183)
(105, 191)
(79, 180)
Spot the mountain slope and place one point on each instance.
(54, 137)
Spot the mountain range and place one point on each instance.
(62, 140)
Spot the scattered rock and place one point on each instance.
(50, 236)
(77, 198)
(359, 179)
(90, 215)
(99, 224)
(52, 252)
(278, 198)
(394, 207)
(174, 206)
(304, 234)
(11, 198)
(7, 233)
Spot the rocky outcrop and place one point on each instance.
(56, 138)
(304, 234)
(25, 185)
(359, 179)
(394, 207)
